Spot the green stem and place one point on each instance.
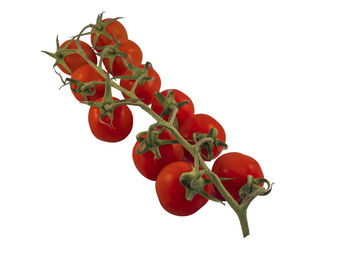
(135, 84)
(242, 215)
(167, 142)
(240, 211)
(173, 116)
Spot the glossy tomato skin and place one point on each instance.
(201, 123)
(171, 193)
(184, 112)
(122, 123)
(150, 167)
(74, 61)
(87, 73)
(145, 91)
(115, 28)
(130, 48)
(238, 166)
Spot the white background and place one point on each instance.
(274, 73)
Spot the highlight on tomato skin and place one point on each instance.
(132, 50)
(183, 113)
(149, 166)
(146, 91)
(201, 123)
(87, 73)
(115, 28)
(236, 166)
(171, 194)
(74, 61)
(118, 129)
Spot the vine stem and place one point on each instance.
(241, 211)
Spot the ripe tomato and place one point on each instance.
(87, 73)
(146, 90)
(114, 28)
(150, 167)
(184, 112)
(121, 124)
(171, 193)
(130, 48)
(201, 123)
(238, 166)
(74, 61)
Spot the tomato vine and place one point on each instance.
(194, 181)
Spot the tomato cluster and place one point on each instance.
(82, 72)
(109, 39)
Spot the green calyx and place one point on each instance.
(209, 145)
(100, 28)
(169, 103)
(252, 189)
(149, 141)
(107, 105)
(194, 183)
(84, 89)
(111, 52)
(140, 75)
(61, 53)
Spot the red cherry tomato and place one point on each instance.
(238, 166)
(114, 28)
(74, 61)
(130, 48)
(171, 193)
(87, 73)
(121, 124)
(201, 123)
(150, 167)
(146, 90)
(184, 112)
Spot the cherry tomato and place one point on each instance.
(146, 90)
(238, 166)
(150, 167)
(201, 123)
(74, 61)
(130, 48)
(114, 28)
(171, 193)
(87, 73)
(121, 124)
(184, 112)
